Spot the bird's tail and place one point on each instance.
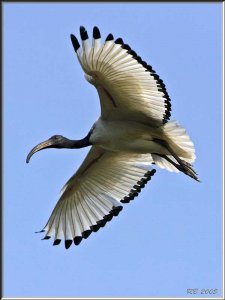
(179, 141)
(181, 149)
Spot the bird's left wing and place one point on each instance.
(94, 194)
(129, 89)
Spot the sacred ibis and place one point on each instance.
(132, 133)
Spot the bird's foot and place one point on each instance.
(187, 168)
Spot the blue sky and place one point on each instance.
(168, 239)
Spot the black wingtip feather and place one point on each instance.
(75, 42)
(119, 41)
(46, 238)
(86, 233)
(126, 47)
(101, 222)
(133, 53)
(68, 243)
(40, 231)
(77, 240)
(56, 242)
(125, 200)
(137, 187)
(95, 228)
(96, 33)
(83, 33)
(133, 193)
(116, 210)
(144, 64)
(109, 37)
(138, 58)
(108, 217)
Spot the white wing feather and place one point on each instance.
(93, 195)
(128, 88)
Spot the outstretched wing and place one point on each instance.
(93, 196)
(128, 87)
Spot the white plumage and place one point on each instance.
(131, 134)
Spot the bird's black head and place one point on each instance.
(56, 141)
(59, 141)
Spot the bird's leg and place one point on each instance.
(185, 168)
(167, 146)
(182, 165)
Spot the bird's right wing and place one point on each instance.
(129, 89)
(94, 194)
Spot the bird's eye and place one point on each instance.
(55, 137)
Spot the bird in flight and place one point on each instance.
(132, 133)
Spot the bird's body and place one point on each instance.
(125, 136)
(132, 133)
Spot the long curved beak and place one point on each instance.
(46, 144)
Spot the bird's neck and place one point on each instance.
(85, 142)
(76, 144)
